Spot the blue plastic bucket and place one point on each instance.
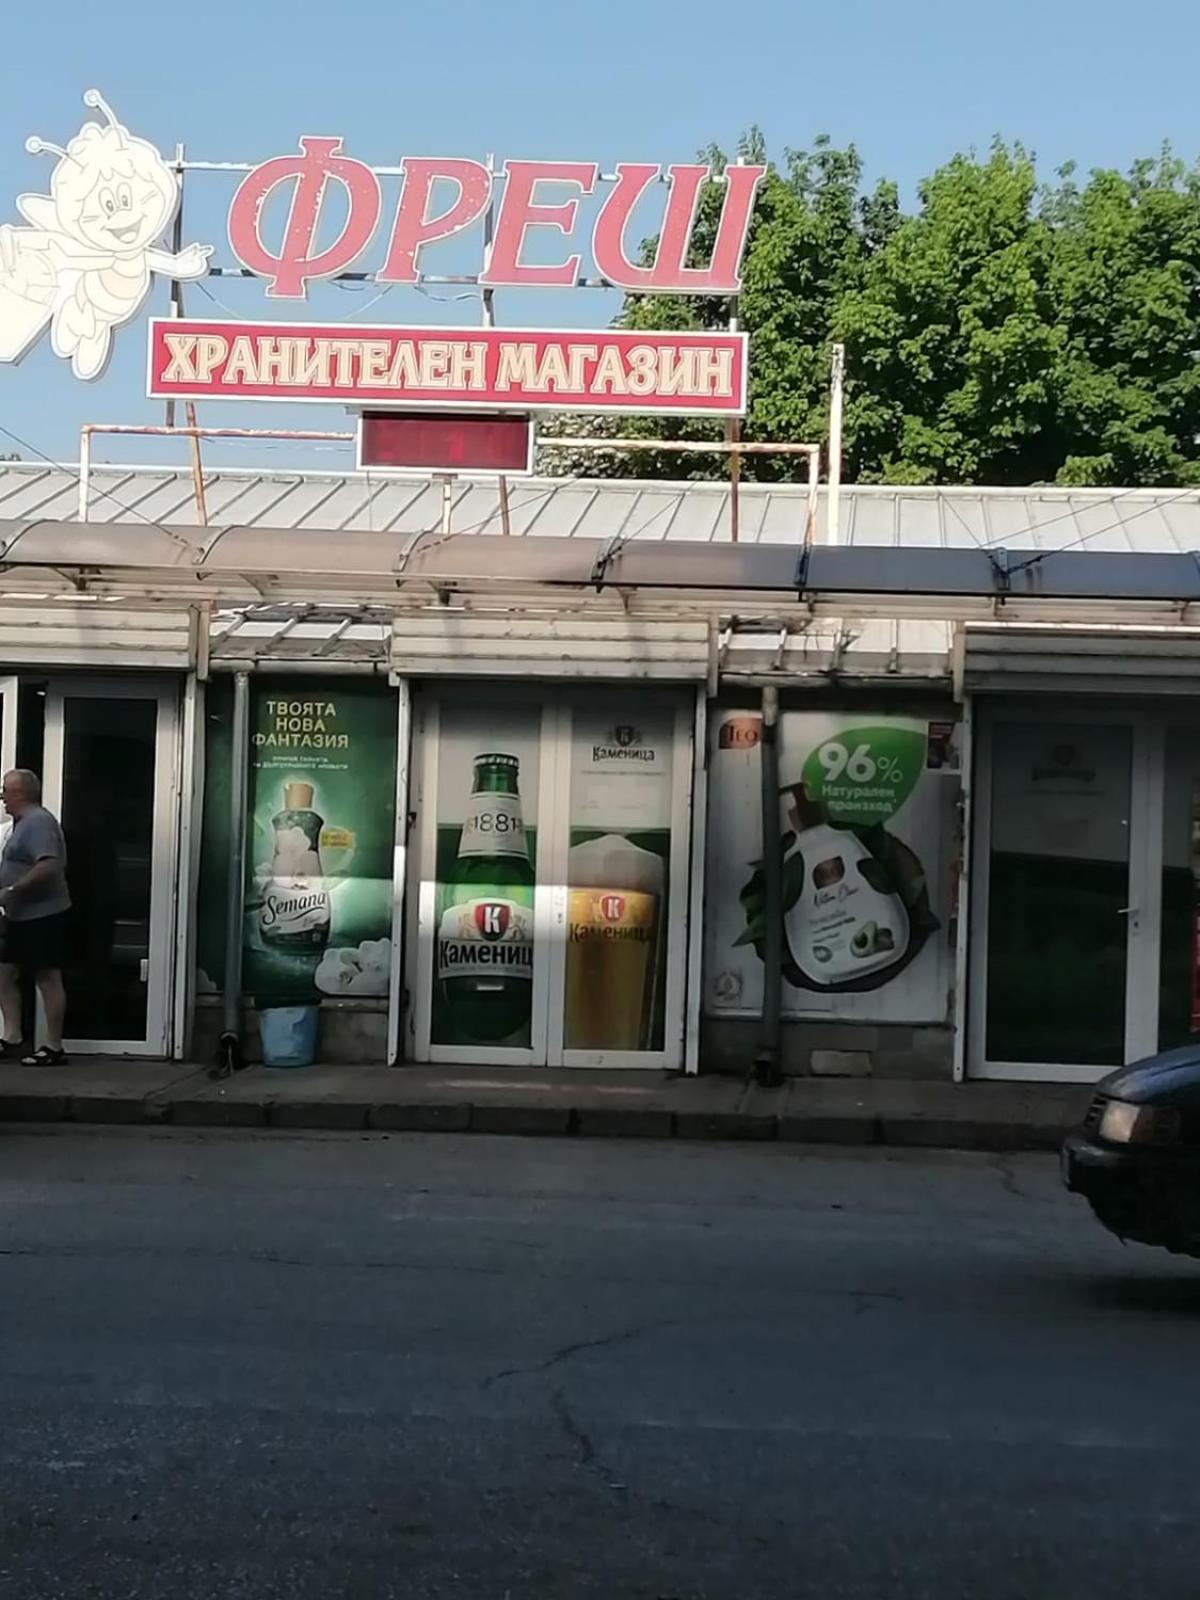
(288, 1035)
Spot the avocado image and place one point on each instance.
(822, 953)
(863, 942)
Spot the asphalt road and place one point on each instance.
(241, 1368)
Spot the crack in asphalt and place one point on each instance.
(567, 1351)
(574, 1431)
(1002, 1167)
(587, 1459)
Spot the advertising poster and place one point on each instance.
(319, 848)
(867, 818)
(616, 837)
(618, 880)
(487, 788)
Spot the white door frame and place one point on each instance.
(1144, 899)
(698, 825)
(550, 894)
(164, 842)
(399, 870)
(182, 980)
(10, 701)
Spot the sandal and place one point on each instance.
(11, 1049)
(44, 1056)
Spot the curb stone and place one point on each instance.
(115, 1110)
(611, 1124)
(397, 1118)
(33, 1108)
(724, 1125)
(219, 1113)
(831, 1130)
(1023, 1128)
(937, 1133)
(521, 1119)
(339, 1116)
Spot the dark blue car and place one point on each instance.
(1136, 1156)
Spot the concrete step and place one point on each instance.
(624, 1105)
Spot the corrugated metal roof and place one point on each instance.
(1124, 520)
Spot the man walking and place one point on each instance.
(34, 902)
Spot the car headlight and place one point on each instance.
(1123, 1123)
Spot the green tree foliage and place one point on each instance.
(1003, 332)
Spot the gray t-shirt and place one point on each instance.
(36, 836)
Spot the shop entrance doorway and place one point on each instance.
(548, 887)
(1085, 901)
(107, 751)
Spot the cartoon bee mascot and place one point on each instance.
(83, 264)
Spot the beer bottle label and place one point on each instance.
(494, 826)
(486, 938)
(294, 912)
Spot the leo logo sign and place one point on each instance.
(84, 262)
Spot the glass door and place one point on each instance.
(620, 901)
(483, 786)
(1064, 909)
(111, 778)
(549, 877)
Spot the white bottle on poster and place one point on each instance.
(841, 927)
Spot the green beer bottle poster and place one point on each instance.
(486, 849)
(320, 841)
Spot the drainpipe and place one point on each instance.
(767, 1069)
(230, 1056)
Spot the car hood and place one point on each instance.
(1172, 1078)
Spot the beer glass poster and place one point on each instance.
(868, 823)
(617, 876)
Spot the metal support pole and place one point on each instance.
(767, 1068)
(197, 468)
(230, 1057)
(177, 246)
(734, 431)
(85, 471)
(733, 434)
(488, 305)
(814, 481)
(837, 380)
(711, 447)
(189, 409)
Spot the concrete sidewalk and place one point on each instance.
(619, 1105)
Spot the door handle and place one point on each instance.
(1128, 911)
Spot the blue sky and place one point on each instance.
(910, 82)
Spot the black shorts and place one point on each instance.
(39, 945)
